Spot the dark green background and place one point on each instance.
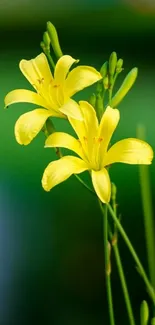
(51, 251)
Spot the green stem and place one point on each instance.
(84, 184)
(122, 279)
(147, 211)
(112, 86)
(134, 254)
(110, 96)
(148, 219)
(107, 263)
(50, 60)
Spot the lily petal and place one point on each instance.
(102, 185)
(64, 140)
(71, 109)
(87, 128)
(80, 78)
(58, 171)
(24, 96)
(62, 68)
(29, 124)
(107, 127)
(37, 71)
(129, 151)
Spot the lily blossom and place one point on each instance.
(53, 93)
(92, 146)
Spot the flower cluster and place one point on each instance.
(53, 94)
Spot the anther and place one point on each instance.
(40, 81)
(56, 86)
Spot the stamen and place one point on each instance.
(84, 138)
(100, 140)
(56, 86)
(40, 81)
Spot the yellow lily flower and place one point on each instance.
(53, 93)
(92, 148)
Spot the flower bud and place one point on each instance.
(113, 191)
(42, 45)
(106, 82)
(119, 65)
(54, 39)
(112, 63)
(125, 87)
(144, 313)
(46, 40)
(104, 69)
(153, 321)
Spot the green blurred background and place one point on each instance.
(51, 250)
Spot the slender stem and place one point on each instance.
(148, 219)
(50, 60)
(107, 263)
(134, 254)
(110, 95)
(111, 88)
(114, 242)
(84, 184)
(122, 278)
(147, 211)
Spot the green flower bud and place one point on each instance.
(113, 191)
(112, 63)
(46, 40)
(153, 321)
(125, 87)
(92, 100)
(54, 39)
(104, 69)
(144, 313)
(106, 82)
(119, 65)
(43, 46)
(99, 106)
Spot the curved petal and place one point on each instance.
(102, 185)
(29, 124)
(107, 127)
(87, 128)
(58, 171)
(64, 140)
(71, 109)
(89, 118)
(37, 71)
(62, 68)
(80, 78)
(129, 151)
(24, 96)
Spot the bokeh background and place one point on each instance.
(51, 250)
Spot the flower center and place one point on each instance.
(91, 147)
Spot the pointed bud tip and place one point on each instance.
(153, 321)
(144, 312)
(112, 63)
